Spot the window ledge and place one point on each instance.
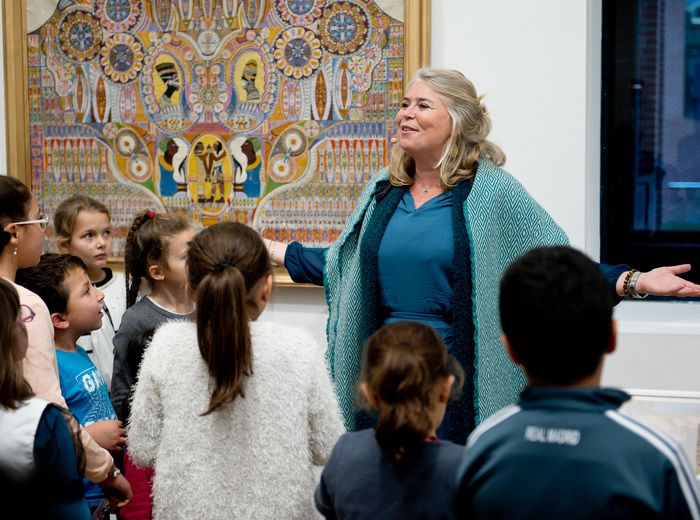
(652, 317)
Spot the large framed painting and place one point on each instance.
(269, 112)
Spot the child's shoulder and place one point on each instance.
(73, 360)
(26, 296)
(142, 311)
(357, 444)
(176, 328)
(174, 334)
(114, 281)
(277, 333)
(495, 427)
(173, 344)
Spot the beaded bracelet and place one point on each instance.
(626, 283)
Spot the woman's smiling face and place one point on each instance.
(424, 123)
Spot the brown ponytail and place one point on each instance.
(224, 263)
(14, 388)
(402, 364)
(147, 243)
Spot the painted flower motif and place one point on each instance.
(297, 52)
(121, 58)
(138, 168)
(118, 15)
(294, 142)
(343, 28)
(300, 12)
(361, 82)
(312, 128)
(126, 142)
(282, 169)
(80, 36)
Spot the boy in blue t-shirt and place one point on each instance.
(76, 309)
(564, 450)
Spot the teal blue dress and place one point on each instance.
(415, 263)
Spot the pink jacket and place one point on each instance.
(141, 479)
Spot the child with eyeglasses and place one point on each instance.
(22, 228)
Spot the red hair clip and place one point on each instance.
(151, 214)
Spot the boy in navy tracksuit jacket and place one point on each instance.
(565, 451)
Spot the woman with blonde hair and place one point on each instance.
(428, 241)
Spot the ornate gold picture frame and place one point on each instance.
(255, 126)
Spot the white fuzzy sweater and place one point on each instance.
(252, 458)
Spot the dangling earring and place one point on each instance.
(14, 251)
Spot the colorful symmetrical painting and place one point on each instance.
(268, 112)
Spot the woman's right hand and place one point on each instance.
(109, 434)
(276, 250)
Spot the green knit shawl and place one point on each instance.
(503, 221)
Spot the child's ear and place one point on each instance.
(63, 246)
(266, 289)
(59, 321)
(156, 272)
(369, 397)
(446, 389)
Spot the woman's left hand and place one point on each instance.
(664, 281)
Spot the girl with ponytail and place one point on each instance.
(231, 412)
(155, 253)
(400, 468)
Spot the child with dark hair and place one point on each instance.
(75, 305)
(565, 450)
(231, 413)
(400, 469)
(83, 228)
(42, 460)
(156, 250)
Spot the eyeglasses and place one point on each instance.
(26, 313)
(43, 222)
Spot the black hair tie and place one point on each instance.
(221, 266)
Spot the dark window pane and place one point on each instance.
(651, 132)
